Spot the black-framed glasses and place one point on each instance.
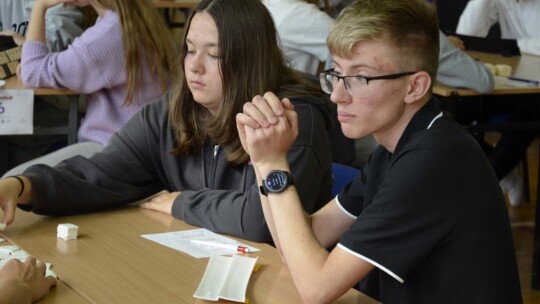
(356, 85)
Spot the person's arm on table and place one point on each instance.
(318, 275)
(127, 170)
(239, 212)
(459, 70)
(12, 191)
(24, 282)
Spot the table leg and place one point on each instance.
(535, 280)
(73, 118)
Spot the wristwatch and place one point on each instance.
(276, 181)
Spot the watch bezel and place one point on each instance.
(287, 181)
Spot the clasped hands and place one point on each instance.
(267, 128)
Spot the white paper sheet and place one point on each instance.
(181, 240)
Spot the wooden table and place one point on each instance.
(111, 263)
(527, 67)
(13, 83)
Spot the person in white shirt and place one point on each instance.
(302, 28)
(62, 23)
(518, 19)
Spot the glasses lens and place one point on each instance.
(326, 82)
(358, 86)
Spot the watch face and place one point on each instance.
(276, 181)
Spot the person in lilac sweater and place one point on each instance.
(121, 63)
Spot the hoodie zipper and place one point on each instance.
(213, 167)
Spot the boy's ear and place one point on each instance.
(419, 86)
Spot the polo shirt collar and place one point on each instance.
(422, 120)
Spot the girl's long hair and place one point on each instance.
(147, 42)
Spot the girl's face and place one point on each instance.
(201, 64)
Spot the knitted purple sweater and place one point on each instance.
(94, 64)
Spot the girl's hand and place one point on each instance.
(162, 203)
(9, 195)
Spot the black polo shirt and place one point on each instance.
(432, 219)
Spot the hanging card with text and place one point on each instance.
(16, 112)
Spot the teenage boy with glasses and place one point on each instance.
(425, 222)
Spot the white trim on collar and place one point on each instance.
(434, 119)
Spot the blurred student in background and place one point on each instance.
(121, 63)
(62, 25)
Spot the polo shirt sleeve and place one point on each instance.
(413, 213)
(351, 198)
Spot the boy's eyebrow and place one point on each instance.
(356, 66)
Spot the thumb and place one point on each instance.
(287, 104)
(9, 212)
